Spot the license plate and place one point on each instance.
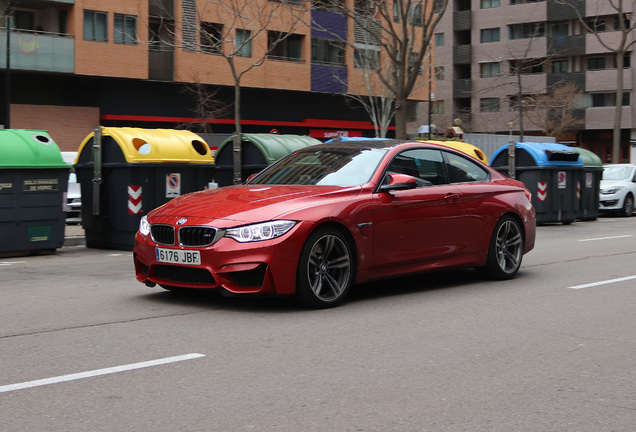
(177, 256)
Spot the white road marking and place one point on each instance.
(98, 372)
(605, 282)
(606, 238)
(8, 263)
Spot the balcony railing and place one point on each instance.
(38, 51)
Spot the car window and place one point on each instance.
(426, 165)
(464, 170)
(327, 166)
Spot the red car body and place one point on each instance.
(390, 232)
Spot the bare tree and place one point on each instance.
(557, 112)
(625, 23)
(241, 32)
(207, 106)
(401, 32)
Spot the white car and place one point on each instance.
(618, 188)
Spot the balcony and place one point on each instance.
(462, 54)
(462, 88)
(39, 51)
(462, 20)
(563, 46)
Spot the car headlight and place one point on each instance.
(611, 190)
(260, 231)
(144, 226)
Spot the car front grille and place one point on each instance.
(185, 275)
(162, 234)
(197, 236)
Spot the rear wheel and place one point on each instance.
(628, 206)
(325, 269)
(506, 249)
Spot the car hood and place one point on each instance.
(250, 203)
(610, 183)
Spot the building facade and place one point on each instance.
(74, 64)
(498, 62)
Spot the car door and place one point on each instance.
(420, 224)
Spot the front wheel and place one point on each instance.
(628, 206)
(325, 269)
(505, 250)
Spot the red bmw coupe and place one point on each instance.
(332, 215)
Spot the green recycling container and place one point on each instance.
(258, 150)
(33, 186)
(589, 185)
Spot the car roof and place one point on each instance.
(370, 144)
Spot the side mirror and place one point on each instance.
(399, 182)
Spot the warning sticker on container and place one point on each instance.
(563, 180)
(173, 185)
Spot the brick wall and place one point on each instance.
(68, 126)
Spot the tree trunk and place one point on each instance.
(400, 118)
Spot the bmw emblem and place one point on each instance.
(182, 221)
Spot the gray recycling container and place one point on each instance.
(590, 184)
(550, 172)
(33, 183)
(257, 152)
(126, 172)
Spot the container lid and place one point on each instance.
(463, 147)
(589, 158)
(156, 145)
(543, 154)
(29, 149)
(274, 146)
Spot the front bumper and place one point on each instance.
(266, 267)
(611, 202)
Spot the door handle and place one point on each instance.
(451, 197)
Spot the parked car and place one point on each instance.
(618, 189)
(73, 193)
(331, 215)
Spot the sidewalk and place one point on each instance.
(74, 235)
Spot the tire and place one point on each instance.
(506, 249)
(325, 269)
(628, 206)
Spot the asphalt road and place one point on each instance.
(84, 347)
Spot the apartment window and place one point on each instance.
(125, 29)
(438, 6)
(95, 26)
(491, 69)
(627, 60)
(327, 51)
(364, 58)
(243, 43)
(211, 37)
(284, 48)
(490, 35)
(290, 2)
(327, 5)
(526, 30)
(415, 14)
(596, 63)
(488, 4)
(439, 40)
(526, 67)
(396, 12)
(559, 29)
(489, 105)
(437, 107)
(608, 99)
(23, 20)
(560, 66)
(413, 63)
(440, 74)
(597, 25)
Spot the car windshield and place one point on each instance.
(617, 172)
(327, 166)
